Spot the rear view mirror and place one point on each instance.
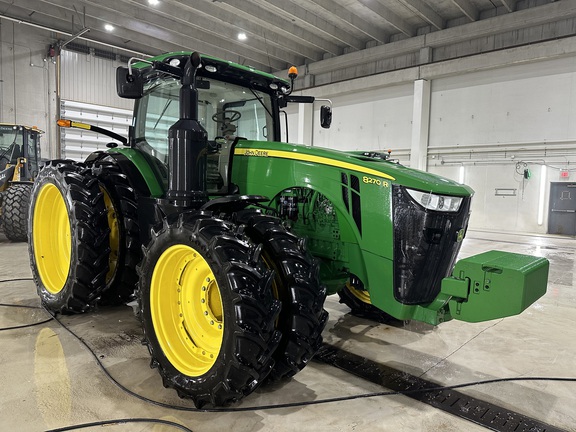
(129, 86)
(325, 116)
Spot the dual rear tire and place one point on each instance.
(207, 309)
(228, 303)
(68, 244)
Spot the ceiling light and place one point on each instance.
(242, 36)
(108, 27)
(153, 2)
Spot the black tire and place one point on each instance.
(358, 300)
(15, 206)
(68, 243)
(121, 200)
(296, 284)
(232, 329)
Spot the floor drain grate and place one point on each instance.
(480, 412)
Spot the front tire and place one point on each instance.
(15, 212)
(207, 310)
(358, 300)
(68, 244)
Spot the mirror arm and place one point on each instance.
(133, 60)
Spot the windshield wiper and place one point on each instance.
(261, 102)
(168, 102)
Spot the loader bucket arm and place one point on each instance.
(6, 176)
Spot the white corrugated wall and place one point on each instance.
(88, 95)
(77, 144)
(86, 78)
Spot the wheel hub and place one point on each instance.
(186, 309)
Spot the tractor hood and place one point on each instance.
(373, 165)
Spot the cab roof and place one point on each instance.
(30, 128)
(229, 71)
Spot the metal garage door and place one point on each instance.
(562, 216)
(77, 144)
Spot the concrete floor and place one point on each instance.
(50, 380)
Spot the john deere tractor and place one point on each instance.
(19, 157)
(230, 239)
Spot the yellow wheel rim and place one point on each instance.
(186, 310)
(114, 235)
(52, 238)
(362, 295)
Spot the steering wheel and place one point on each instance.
(226, 116)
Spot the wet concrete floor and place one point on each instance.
(51, 380)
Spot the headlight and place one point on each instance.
(432, 201)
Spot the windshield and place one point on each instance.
(11, 142)
(225, 110)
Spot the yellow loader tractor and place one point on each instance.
(19, 156)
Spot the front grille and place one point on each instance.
(425, 247)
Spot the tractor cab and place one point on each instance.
(233, 102)
(19, 153)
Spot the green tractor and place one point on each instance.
(230, 239)
(19, 157)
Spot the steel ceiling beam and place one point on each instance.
(510, 5)
(467, 9)
(206, 27)
(206, 10)
(389, 16)
(274, 22)
(313, 22)
(352, 20)
(425, 12)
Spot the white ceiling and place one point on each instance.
(279, 33)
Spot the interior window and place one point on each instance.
(10, 145)
(33, 153)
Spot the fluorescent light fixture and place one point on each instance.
(108, 27)
(541, 195)
(242, 36)
(153, 2)
(461, 176)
